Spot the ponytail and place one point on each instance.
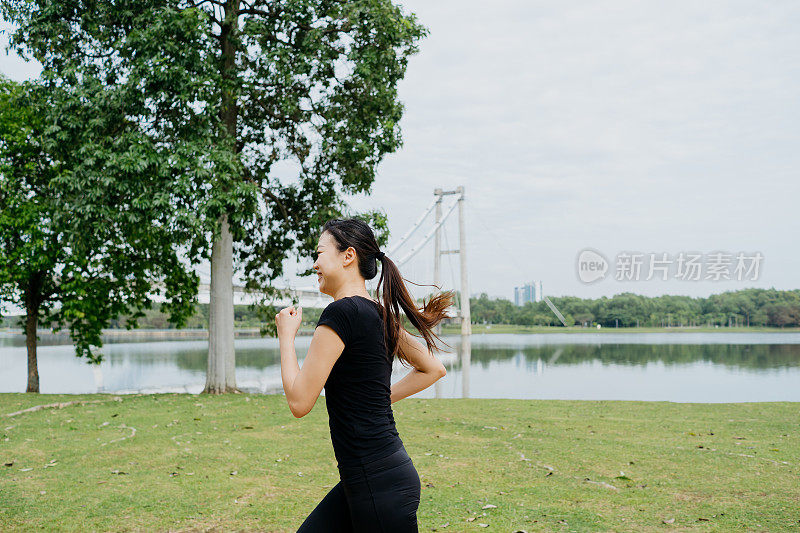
(394, 295)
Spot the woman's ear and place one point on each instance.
(349, 255)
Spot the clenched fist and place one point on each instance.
(288, 321)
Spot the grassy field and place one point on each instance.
(241, 462)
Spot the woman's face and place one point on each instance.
(330, 264)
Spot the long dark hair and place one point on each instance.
(392, 292)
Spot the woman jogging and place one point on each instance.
(351, 355)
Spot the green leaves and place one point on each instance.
(87, 228)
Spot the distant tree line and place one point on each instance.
(747, 307)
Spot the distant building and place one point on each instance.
(530, 292)
(518, 296)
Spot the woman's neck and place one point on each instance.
(352, 291)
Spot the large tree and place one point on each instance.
(77, 248)
(297, 100)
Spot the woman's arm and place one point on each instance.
(427, 368)
(303, 386)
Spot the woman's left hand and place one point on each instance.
(288, 321)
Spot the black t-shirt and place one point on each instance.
(358, 389)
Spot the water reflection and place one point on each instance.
(712, 367)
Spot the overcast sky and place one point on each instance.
(661, 127)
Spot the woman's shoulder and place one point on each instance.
(353, 305)
(342, 305)
(364, 303)
(359, 298)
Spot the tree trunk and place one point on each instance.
(221, 373)
(32, 302)
(30, 342)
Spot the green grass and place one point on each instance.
(242, 462)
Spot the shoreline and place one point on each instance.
(195, 334)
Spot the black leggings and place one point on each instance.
(380, 496)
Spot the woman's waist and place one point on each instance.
(355, 466)
(361, 422)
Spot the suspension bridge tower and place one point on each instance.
(462, 306)
(464, 312)
(464, 315)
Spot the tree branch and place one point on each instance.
(201, 2)
(347, 26)
(267, 192)
(210, 14)
(272, 13)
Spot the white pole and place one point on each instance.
(437, 271)
(466, 325)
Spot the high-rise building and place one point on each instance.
(530, 292)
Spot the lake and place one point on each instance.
(670, 366)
